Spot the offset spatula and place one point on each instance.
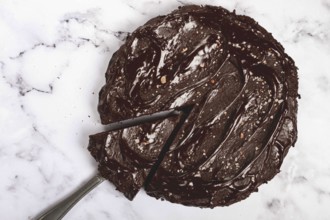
(59, 210)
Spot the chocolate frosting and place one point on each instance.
(126, 156)
(242, 91)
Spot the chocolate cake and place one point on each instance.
(237, 89)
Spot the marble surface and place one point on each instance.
(53, 55)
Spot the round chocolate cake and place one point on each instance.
(236, 88)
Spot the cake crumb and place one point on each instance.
(163, 80)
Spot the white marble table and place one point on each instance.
(53, 55)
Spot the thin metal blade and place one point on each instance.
(141, 119)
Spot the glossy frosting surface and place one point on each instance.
(126, 156)
(242, 90)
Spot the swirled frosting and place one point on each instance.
(242, 91)
(127, 156)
